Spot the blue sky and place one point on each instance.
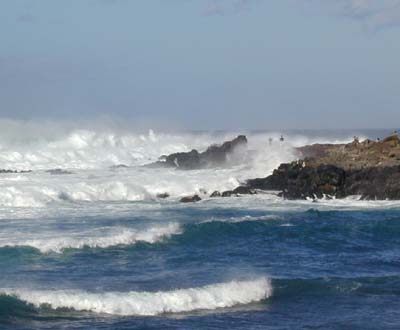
(200, 64)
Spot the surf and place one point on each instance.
(134, 303)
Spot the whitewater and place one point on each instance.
(86, 241)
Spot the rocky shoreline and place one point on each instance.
(369, 169)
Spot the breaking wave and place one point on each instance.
(30, 146)
(210, 297)
(115, 237)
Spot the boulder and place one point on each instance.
(244, 190)
(163, 195)
(190, 199)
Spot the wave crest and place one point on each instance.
(118, 236)
(209, 297)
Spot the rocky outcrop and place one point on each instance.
(241, 190)
(354, 155)
(190, 199)
(228, 153)
(374, 183)
(296, 181)
(162, 195)
(215, 194)
(370, 169)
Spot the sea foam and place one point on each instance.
(114, 237)
(209, 297)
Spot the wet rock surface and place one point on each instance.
(226, 154)
(190, 199)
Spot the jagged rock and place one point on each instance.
(183, 160)
(215, 155)
(215, 194)
(190, 199)
(219, 154)
(163, 195)
(228, 193)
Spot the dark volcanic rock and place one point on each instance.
(219, 154)
(228, 193)
(244, 190)
(163, 195)
(215, 155)
(296, 181)
(191, 199)
(183, 160)
(215, 194)
(241, 190)
(374, 183)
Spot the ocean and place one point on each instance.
(85, 243)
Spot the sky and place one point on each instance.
(203, 64)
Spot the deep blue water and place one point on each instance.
(328, 270)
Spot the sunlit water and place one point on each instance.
(96, 248)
